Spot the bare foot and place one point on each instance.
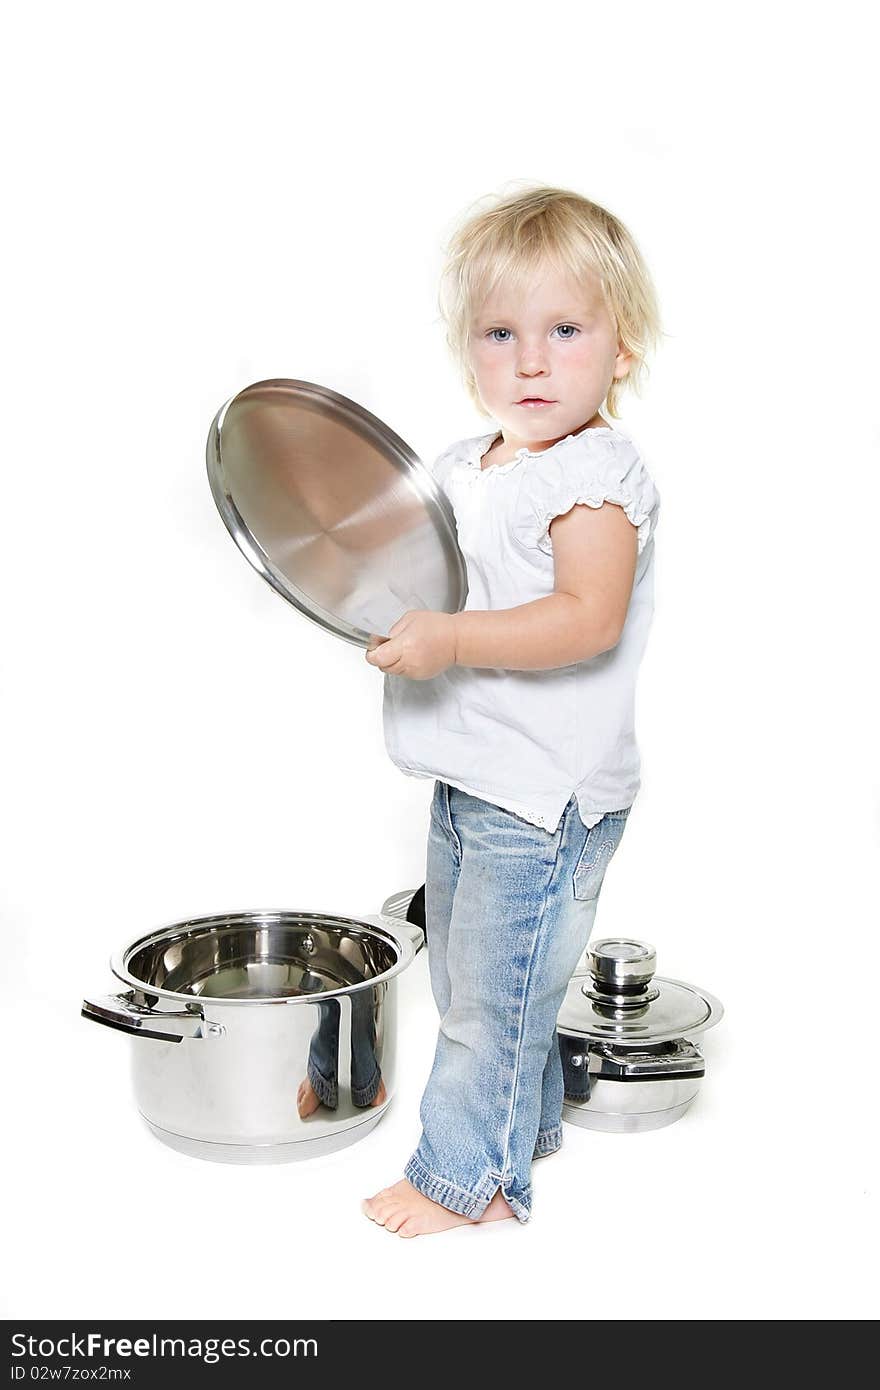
(406, 1212)
(307, 1101)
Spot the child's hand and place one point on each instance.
(420, 645)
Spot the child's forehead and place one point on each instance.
(547, 289)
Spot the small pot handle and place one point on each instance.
(120, 1011)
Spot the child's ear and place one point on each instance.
(622, 364)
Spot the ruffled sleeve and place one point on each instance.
(591, 468)
(442, 466)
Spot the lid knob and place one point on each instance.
(619, 965)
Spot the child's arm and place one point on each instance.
(594, 554)
(594, 558)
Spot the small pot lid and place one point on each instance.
(620, 999)
(333, 509)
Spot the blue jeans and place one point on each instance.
(323, 1063)
(509, 910)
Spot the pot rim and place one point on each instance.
(402, 942)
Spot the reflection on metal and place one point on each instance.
(333, 509)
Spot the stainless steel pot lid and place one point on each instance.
(620, 999)
(333, 509)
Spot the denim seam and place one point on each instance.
(452, 830)
(516, 1205)
(513, 1089)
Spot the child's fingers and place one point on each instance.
(373, 645)
(384, 656)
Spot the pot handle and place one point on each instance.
(415, 934)
(120, 1011)
(396, 924)
(678, 1058)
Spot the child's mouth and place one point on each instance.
(533, 402)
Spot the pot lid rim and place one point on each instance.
(714, 1014)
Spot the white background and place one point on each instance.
(202, 196)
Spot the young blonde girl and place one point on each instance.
(521, 706)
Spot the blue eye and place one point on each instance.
(566, 338)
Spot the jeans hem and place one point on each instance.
(457, 1199)
(548, 1141)
(365, 1095)
(325, 1090)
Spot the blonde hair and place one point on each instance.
(509, 240)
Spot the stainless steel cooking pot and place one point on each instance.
(626, 1038)
(261, 1037)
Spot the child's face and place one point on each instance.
(555, 341)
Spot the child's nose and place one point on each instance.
(532, 359)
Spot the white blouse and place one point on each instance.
(526, 740)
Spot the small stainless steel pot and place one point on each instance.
(229, 1014)
(626, 1038)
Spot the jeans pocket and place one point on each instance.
(599, 847)
(447, 823)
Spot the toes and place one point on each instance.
(381, 1208)
(386, 1207)
(381, 1196)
